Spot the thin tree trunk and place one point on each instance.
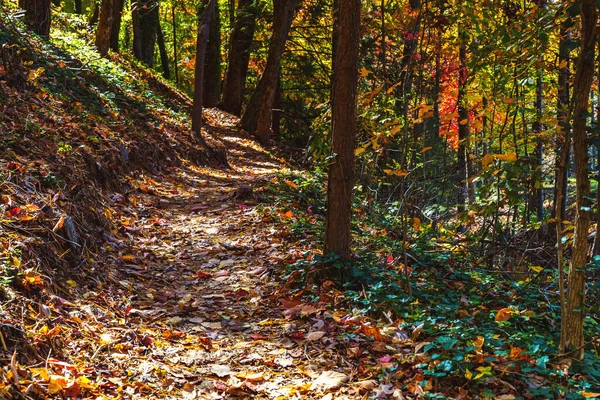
(584, 75)
(201, 44)
(78, 7)
(343, 113)
(257, 116)
(164, 57)
(464, 191)
(37, 15)
(175, 60)
(116, 24)
(212, 68)
(104, 26)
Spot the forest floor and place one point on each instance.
(134, 266)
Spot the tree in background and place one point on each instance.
(105, 23)
(212, 69)
(343, 136)
(258, 114)
(117, 8)
(201, 44)
(145, 29)
(37, 15)
(238, 56)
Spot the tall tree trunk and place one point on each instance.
(212, 68)
(201, 44)
(145, 29)
(538, 189)
(584, 75)
(116, 24)
(164, 57)
(257, 116)
(37, 15)
(78, 7)
(465, 189)
(343, 136)
(175, 60)
(104, 27)
(240, 43)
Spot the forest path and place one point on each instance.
(195, 308)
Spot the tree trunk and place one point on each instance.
(175, 45)
(103, 33)
(343, 137)
(212, 68)
(240, 43)
(465, 191)
(164, 57)
(257, 116)
(584, 75)
(145, 19)
(116, 24)
(78, 7)
(201, 44)
(37, 15)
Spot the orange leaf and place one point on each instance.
(291, 184)
(503, 315)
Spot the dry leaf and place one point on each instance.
(328, 380)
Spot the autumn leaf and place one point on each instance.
(506, 157)
(328, 380)
(503, 315)
(487, 160)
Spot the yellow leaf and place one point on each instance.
(487, 160)
(464, 121)
(536, 268)
(42, 373)
(478, 342)
(507, 157)
(563, 64)
(15, 262)
(426, 149)
(72, 283)
(363, 72)
(360, 150)
(468, 374)
(416, 224)
(503, 315)
(483, 371)
(57, 384)
(396, 172)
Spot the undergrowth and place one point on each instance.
(478, 326)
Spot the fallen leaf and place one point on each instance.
(328, 380)
(220, 370)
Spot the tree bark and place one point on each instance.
(465, 189)
(78, 7)
(240, 43)
(212, 68)
(173, 16)
(37, 15)
(258, 114)
(584, 75)
(201, 44)
(103, 31)
(343, 137)
(145, 29)
(164, 57)
(116, 24)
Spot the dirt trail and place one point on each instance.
(193, 308)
